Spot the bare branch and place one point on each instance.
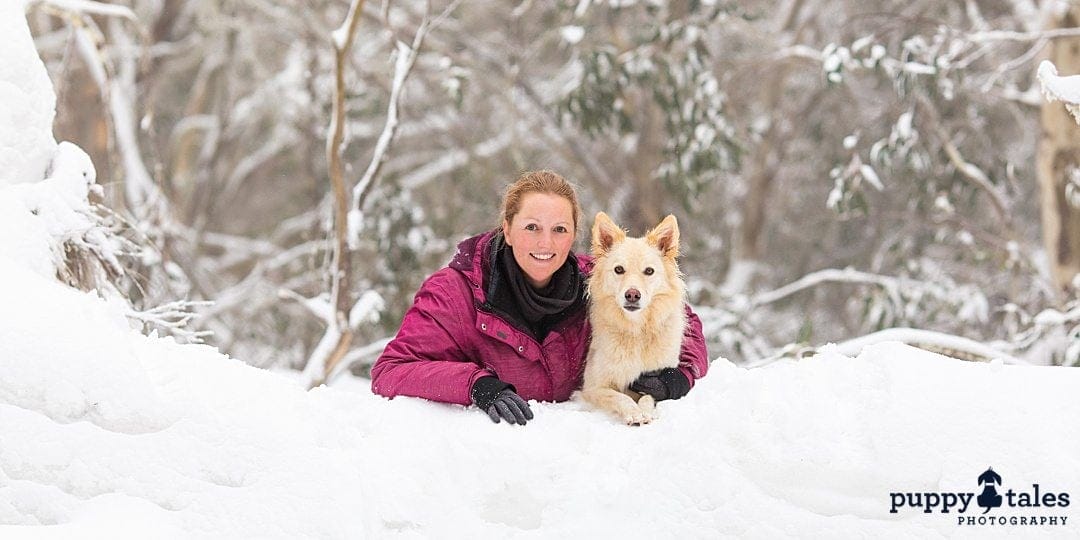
(362, 355)
(813, 279)
(454, 159)
(948, 345)
(1007, 35)
(90, 8)
(975, 175)
(173, 317)
(340, 278)
(335, 343)
(405, 61)
(967, 170)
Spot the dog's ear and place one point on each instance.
(665, 237)
(605, 233)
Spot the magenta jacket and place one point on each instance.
(447, 341)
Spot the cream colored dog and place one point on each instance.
(636, 297)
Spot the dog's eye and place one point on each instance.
(649, 271)
(620, 270)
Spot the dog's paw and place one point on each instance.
(637, 418)
(647, 404)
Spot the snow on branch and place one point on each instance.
(173, 317)
(343, 36)
(366, 309)
(348, 211)
(406, 58)
(901, 295)
(1008, 35)
(319, 306)
(348, 214)
(941, 343)
(241, 293)
(1060, 88)
(454, 159)
(89, 7)
(335, 342)
(831, 275)
(1050, 337)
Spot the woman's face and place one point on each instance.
(541, 234)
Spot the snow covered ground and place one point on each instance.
(107, 433)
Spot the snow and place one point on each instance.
(572, 34)
(37, 219)
(871, 176)
(366, 309)
(95, 8)
(28, 102)
(1060, 88)
(102, 422)
(340, 36)
(108, 433)
(925, 339)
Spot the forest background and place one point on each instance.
(285, 174)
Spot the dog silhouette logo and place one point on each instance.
(989, 498)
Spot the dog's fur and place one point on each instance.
(637, 319)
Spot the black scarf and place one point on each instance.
(537, 310)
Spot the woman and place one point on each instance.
(505, 321)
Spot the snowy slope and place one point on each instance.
(106, 430)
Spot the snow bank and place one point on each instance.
(44, 187)
(110, 432)
(28, 102)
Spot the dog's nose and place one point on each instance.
(632, 296)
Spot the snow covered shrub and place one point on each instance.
(53, 220)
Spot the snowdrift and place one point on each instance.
(106, 431)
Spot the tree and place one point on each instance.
(837, 167)
(1058, 166)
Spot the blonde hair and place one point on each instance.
(538, 182)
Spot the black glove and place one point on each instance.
(499, 400)
(667, 383)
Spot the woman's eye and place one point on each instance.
(620, 270)
(561, 229)
(531, 227)
(649, 271)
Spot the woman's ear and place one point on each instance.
(506, 232)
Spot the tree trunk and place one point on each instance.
(648, 197)
(1058, 157)
(747, 251)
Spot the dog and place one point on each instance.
(636, 297)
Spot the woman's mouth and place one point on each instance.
(542, 256)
